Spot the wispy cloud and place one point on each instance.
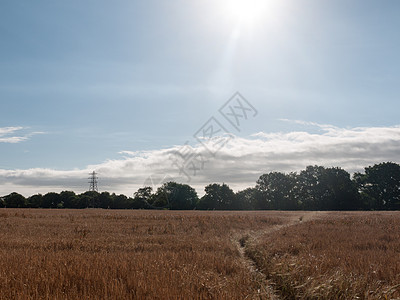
(9, 135)
(14, 135)
(239, 163)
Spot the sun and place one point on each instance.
(246, 11)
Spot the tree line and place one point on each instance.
(315, 188)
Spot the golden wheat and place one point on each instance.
(103, 254)
(339, 256)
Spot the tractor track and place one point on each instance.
(244, 240)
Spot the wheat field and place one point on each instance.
(104, 254)
(337, 255)
(126, 254)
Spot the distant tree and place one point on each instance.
(84, 200)
(120, 201)
(35, 201)
(174, 195)
(89, 199)
(320, 188)
(248, 199)
(308, 188)
(315, 188)
(142, 198)
(159, 199)
(14, 200)
(217, 196)
(51, 200)
(340, 191)
(105, 200)
(277, 191)
(68, 199)
(380, 186)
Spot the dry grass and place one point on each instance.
(101, 254)
(339, 256)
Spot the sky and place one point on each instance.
(198, 91)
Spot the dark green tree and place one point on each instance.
(159, 200)
(309, 189)
(105, 200)
(51, 200)
(320, 188)
(217, 196)
(142, 197)
(277, 191)
(35, 201)
(89, 199)
(120, 201)
(340, 191)
(68, 199)
(174, 195)
(248, 199)
(14, 200)
(380, 186)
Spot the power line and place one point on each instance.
(93, 179)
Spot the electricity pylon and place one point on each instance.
(93, 182)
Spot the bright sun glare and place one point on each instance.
(246, 11)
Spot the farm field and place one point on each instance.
(335, 256)
(138, 254)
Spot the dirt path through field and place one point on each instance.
(245, 239)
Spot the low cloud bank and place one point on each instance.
(239, 163)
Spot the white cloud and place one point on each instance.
(239, 163)
(8, 130)
(14, 135)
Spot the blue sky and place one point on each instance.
(83, 81)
